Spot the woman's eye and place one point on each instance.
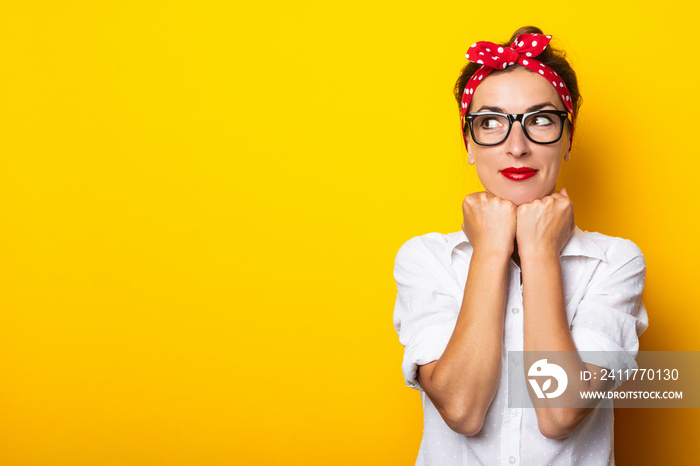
(541, 120)
(490, 123)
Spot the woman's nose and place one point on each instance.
(517, 143)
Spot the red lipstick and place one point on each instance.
(518, 173)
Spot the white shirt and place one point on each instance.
(603, 281)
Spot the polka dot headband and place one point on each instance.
(493, 57)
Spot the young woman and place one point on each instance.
(519, 276)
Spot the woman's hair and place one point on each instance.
(554, 58)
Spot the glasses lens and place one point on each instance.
(543, 127)
(490, 128)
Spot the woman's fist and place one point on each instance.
(545, 225)
(489, 223)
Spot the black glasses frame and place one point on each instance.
(512, 118)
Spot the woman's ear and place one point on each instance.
(470, 153)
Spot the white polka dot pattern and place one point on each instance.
(493, 57)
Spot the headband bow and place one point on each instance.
(493, 57)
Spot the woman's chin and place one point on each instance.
(522, 195)
(522, 198)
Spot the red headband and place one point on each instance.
(494, 57)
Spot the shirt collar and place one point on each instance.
(578, 245)
(581, 245)
(454, 240)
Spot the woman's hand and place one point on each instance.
(545, 225)
(489, 223)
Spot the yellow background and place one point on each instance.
(201, 203)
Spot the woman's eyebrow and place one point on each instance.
(534, 108)
(490, 109)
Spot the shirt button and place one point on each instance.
(514, 412)
(515, 362)
(515, 310)
(511, 460)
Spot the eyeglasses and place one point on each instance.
(491, 129)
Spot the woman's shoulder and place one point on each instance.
(430, 244)
(613, 248)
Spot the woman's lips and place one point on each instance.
(519, 173)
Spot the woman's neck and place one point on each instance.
(515, 256)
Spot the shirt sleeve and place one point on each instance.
(426, 308)
(611, 315)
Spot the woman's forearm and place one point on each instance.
(462, 383)
(546, 325)
(546, 328)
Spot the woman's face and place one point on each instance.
(517, 91)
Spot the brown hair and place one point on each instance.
(554, 58)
